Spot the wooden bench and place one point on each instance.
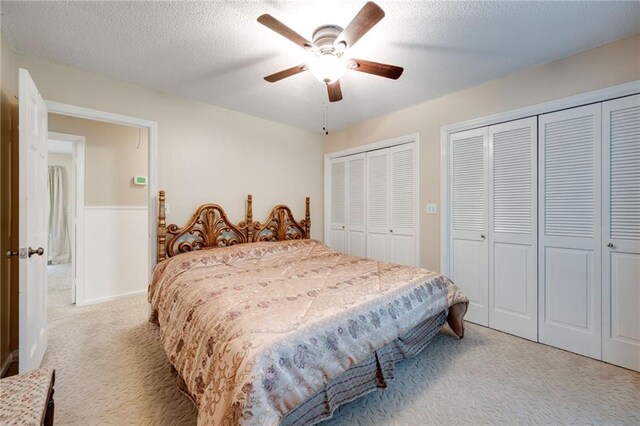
(27, 399)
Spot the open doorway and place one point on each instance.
(65, 180)
(99, 202)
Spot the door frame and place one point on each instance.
(413, 138)
(152, 127)
(77, 229)
(600, 95)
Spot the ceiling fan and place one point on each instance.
(329, 47)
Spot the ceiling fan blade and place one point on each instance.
(376, 68)
(286, 73)
(277, 26)
(369, 15)
(335, 92)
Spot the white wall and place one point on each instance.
(119, 235)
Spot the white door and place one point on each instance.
(33, 214)
(469, 256)
(378, 205)
(570, 230)
(337, 223)
(513, 186)
(356, 205)
(403, 199)
(621, 232)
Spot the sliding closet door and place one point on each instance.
(337, 230)
(403, 199)
(356, 205)
(621, 232)
(570, 230)
(469, 258)
(378, 205)
(513, 275)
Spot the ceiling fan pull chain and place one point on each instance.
(325, 118)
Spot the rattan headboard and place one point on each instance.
(210, 227)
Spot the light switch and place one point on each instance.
(432, 208)
(167, 208)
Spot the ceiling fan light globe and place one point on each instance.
(328, 68)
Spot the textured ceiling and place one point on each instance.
(216, 52)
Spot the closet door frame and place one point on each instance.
(413, 138)
(599, 95)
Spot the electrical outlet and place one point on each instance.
(432, 208)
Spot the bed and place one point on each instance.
(264, 325)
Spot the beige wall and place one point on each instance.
(112, 158)
(205, 153)
(8, 202)
(604, 66)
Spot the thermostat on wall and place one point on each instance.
(140, 180)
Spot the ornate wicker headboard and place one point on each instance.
(210, 227)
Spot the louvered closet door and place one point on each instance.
(337, 237)
(378, 205)
(403, 199)
(356, 204)
(570, 230)
(621, 232)
(469, 189)
(513, 285)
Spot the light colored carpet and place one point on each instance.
(111, 369)
(59, 276)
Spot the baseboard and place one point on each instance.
(111, 298)
(13, 357)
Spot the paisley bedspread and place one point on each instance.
(255, 329)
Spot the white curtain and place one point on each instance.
(59, 247)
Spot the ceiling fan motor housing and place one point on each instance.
(327, 62)
(324, 38)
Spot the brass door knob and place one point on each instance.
(39, 251)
